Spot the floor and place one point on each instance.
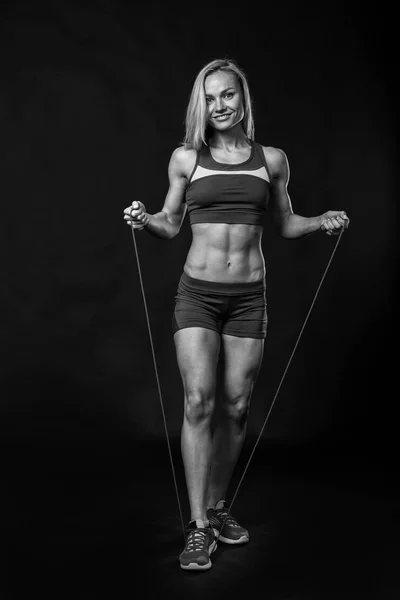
(102, 521)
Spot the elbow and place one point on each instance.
(281, 226)
(174, 228)
(283, 222)
(286, 233)
(171, 227)
(171, 230)
(172, 233)
(168, 232)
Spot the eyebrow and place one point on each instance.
(223, 92)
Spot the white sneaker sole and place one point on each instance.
(242, 540)
(196, 567)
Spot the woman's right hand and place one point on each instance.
(136, 215)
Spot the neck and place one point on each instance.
(229, 140)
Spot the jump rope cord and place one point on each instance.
(283, 376)
(158, 381)
(272, 403)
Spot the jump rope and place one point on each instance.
(274, 398)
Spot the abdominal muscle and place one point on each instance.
(228, 253)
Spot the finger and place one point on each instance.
(342, 223)
(133, 206)
(135, 225)
(328, 224)
(136, 221)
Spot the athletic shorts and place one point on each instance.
(238, 309)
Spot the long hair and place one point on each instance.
(196, 121)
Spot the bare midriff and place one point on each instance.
(228, 253)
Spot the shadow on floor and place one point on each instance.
(103, 522)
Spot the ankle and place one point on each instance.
(216, 504)
(202, 523)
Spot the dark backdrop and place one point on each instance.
(93, 96)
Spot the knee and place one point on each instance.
(199, 406)
(236, 407)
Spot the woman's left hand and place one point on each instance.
(334, 221)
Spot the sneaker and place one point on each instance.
(200, 543)
(225, 527)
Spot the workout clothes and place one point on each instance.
(238, 309)
(228, 193)
(225, 193)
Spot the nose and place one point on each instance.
(219, 105)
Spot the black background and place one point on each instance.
(93, 97)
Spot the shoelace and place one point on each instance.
(196, 539)
(226, 517)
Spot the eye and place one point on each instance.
(228, 95)
(208, 100)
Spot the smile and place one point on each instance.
(222, 117)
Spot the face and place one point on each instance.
(224, 100)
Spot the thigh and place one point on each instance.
(242, 359)
(197, 352)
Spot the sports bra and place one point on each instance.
(228, 193)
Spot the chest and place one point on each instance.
(233, 157)
(218, 189)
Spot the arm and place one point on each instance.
(289, 224)
(166, 223)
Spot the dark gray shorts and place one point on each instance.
(238, 309)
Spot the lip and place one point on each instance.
(222, 117)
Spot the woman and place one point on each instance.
(226, 181)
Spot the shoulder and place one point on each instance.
(276, 160)
(182, 161)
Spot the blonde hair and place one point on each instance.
(197, 115)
